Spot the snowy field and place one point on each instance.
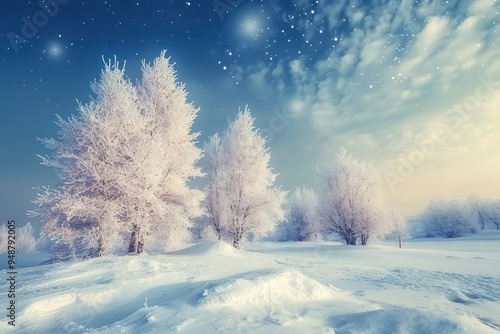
(429, 286)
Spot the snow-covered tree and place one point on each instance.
(4, 232)
(241, 198)
(448, 219)
(302, 218)
(493, 209)
(351, 203)
(25, 240)
(83, 211)
(161, 204)
(477, 207)
(214, 188)
(399, 224)
(123, 165)
(483, 213)
(493, 213)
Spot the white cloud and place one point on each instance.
(428, 42)
(258, 77)
(373, 52)
(482, 6)
(347, 63)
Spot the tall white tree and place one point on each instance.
(124, 163)
(302, 217)
(242, 197)
(83, 212)
(351, 203)
(164, 202)
(214, 187)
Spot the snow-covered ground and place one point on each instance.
(429, 286)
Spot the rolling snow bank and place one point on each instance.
(277, 295)
(276, 288)
(208, 248)
(267, 286)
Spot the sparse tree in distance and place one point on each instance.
(484, 212)
(477, 208)
(351, 203)
(399, 224)
(302, 217)
(494, 213)
(25, 240)
(4, 232)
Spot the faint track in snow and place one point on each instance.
(472, 286)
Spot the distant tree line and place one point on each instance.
(452, 219)
(125, 164)
(350, 205)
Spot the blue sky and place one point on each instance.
(412, 86)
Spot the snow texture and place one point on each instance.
(429, 286)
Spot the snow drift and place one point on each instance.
(268, 286)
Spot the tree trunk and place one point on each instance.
(132, 246)
(135, 245)
(364, 239)
(481, 219)
(100, 247)
(399, 239)
(350, 240)
(236, 239)
(218, 231)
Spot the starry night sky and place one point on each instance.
(410, 85)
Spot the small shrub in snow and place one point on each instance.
(25, 241)
(302, 217)
(3, 239)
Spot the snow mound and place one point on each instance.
(274, 286)
(208, 248)
(407, 321)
